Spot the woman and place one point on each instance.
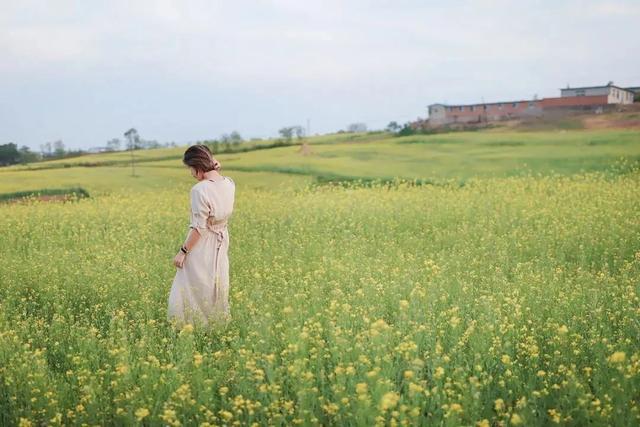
(200, 290)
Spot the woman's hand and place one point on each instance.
(178, 261)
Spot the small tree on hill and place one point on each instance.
(393, 127)
(357, 127)
(286, 133)
(133, 140)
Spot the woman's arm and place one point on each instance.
(192, 239)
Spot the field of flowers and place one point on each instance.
(505, 301)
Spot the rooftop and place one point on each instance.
(595, 87)
(480, 104)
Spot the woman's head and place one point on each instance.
(200, 158)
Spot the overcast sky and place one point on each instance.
(86, 71)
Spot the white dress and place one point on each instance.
(200, 289)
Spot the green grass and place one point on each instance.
(76, 192)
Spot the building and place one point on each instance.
(593, 98)
(440, 114)
(614, 94)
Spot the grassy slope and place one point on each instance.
(458, 155)
(447, 156)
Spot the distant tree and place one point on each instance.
(286, 133)
(46, 149)
(150, 144)
(407, 129)
(113, 144)
(357, 127)
(235, 138)
(27, 156)
(133, 140)
(58, 148)
(393, 127)
(298, 131)
(9, 154)
(214, 146)
(225, 142)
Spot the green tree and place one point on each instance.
(393, 127)
(286, 133)
(27, 156)
(9, 154)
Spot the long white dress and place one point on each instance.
(200, 289)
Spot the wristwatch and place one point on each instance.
(184, 249)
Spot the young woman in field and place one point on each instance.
(200, 290)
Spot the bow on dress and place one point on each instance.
(218, 228)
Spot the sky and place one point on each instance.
(86, 71)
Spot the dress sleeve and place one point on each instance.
(199, 210)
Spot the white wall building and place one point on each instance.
(615, 94)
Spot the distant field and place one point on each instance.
(509, 300)
(454, 156)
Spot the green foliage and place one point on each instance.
(75, 193)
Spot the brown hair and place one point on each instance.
(200, 158)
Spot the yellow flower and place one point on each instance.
(188, 328)
(516, 420)
(617, 357)
(197, 359)
(439, 372)
(141, 413)
(408, 374)
(226, 415)
(483, 423)
(505, 359)
(498, 404)
(389, 400)
(361, 388)
(555, 415)
(456, 407)
(415, 388)
(404, 304)
(562, 330)
(24, 422)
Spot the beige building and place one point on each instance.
(615, 94)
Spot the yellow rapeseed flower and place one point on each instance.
(617, 357)
(197, 359)
(389, 400)
(141, 413)
(516, 420)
